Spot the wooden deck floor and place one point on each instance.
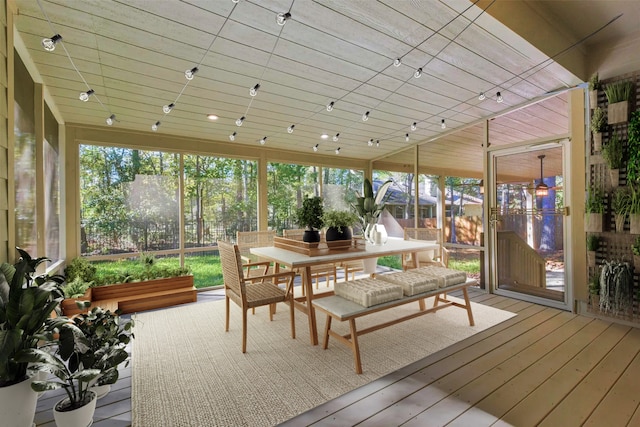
(542, 367)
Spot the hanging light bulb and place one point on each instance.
(235, 1)
(418, 73)
(254, 90)
(50, 44)
(167, 108)
(315, 147)
(336, 137)
(330, 106)
(338, 150)
(397, 62)
(232, 137)
(443, 125)
(499, 97)
(290, 128)
(365, 116)
(84, 96)
(154, 127)
(377, 143)
(282, 18)
(263, 140)
(324, 136)
(190, 73)
(111, 119)
(482, 96)
(406, 137)
(414, 126)
(240, 121)
(370, 143)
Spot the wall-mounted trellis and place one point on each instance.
(614, 245)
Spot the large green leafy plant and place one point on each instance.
(310, 214)
(633, 139)
(369, 206)
(26, 302)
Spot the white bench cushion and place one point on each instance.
(445, 276)
(412, 283)
(368, 292)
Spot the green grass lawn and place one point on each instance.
(471, 266)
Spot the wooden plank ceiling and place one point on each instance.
(133, 54)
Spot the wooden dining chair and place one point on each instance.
(438, 256)
(257, 291)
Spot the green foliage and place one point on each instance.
(26, 302)
(369, 206)
(594, 82)
(634, 205)
(310, 214)
(594, 283)
(633, 140)
(339, 219)
(621, 200)
(613, 152)
(107, 336)
(76, 288)
(598, 120)
(595, 200)
(466, 265)
(80, 268)
(635, 248)
(593, 242)
(391, 261)
(145, 268)
(618, 91)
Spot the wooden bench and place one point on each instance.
(339, 308)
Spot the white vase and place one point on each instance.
(81, 417)
(18, 404)
(369, 265)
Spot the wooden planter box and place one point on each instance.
(147, 295)
(597, 142)
(614, 175)
(593, 222)
(634, 223)
(618, 112)
(69, 306)
(591, 258)
(593, 99)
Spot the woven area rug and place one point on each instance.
(188, 372)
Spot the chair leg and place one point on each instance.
(244, 330)
(226, 323)
(271, 310)
(293, 317)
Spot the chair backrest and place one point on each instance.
(232, 273)
(430, 234)
(253, 239)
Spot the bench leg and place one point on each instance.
(355, 347)
(468, 304)
(327, 328)
(422, 305)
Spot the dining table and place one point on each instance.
(302, 262)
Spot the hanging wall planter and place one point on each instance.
(618, 96)
(597, 142)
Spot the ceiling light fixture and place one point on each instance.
(443, 125)
(336, 137)
(370, 143)
(378, 143)
(406, 137)
(290, 128)
(235, 1)
(338, 150)
(167, 108)
(418, 73)
(232, 137)
(111, 119)
(240, 121)
(499, 98)
(84, 96)
(365, 116)
(212, 117)
(263, 140)
(541, 189)
(330, 106)
(190, 73)
(254, 90)
(154, 127)
(414, 126)
(50, 44)
(324, 136)
(315, 148)
(397, 62)
(482, 96)
(282, 18)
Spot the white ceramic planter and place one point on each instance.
(18, 404)
(369, 265)
(81, 417)
(101, 390)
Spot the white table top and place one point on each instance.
(394, 246)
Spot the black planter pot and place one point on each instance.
(311, 236)
(333, 234)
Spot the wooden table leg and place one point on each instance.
(311, 312)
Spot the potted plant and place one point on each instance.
(633, 141)
(107, 336)
(310, 216)
(635, 249)
(594, 289)
(77, 408)
(616, 287)
(26, 302)
(620, 202)
(598, 124)
(338, 224)
(593, 244)
(613, 154)
(369, 206)
(594, 86)
(618, 96)
(594, 209)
